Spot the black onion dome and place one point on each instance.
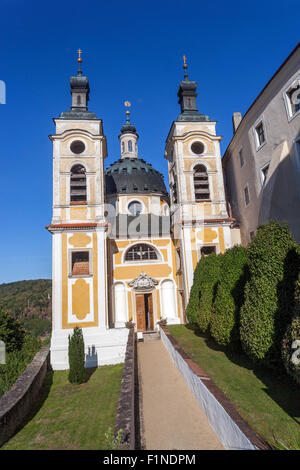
(128, 128)
(134, 175)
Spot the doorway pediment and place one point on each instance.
(143, 283)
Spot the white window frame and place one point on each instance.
(197, 155)
(158, 260)
(73, 250)
(262, 178)
(287, 101)
(257, 144)
(135, 200)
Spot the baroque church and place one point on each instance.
(124, 249)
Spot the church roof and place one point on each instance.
(134, 176)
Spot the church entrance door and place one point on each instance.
(144, 312)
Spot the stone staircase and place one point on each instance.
(149, 336)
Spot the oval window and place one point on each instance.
(135, 208)
(77, 146)
(197, 148)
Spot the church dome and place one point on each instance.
(134, 176)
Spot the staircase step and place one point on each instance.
(151, 335)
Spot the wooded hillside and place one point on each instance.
(26, 298)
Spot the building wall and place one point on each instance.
(278, 196)
(196, 223)
(163, 269)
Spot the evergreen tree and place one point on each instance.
(76, 357)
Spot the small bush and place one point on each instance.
(224, 327)
(16, 362)
(76, 357)
(11, 332)
(206, 276)
(269, 294)
(289, 345)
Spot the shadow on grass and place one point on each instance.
(279, 386)
(89, 371)
(43, 395)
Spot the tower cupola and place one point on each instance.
(80, 90)
(128, 137)
(187, 99)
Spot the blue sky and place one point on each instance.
(131, 51)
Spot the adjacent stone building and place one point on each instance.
(262, 162)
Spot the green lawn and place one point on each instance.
(270, 403)
(72, 416)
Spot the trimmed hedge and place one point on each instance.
(224, 327)
(76, 357)
(193, 304)
(291, 336)
(206, 276)
(269, 294)
(209, 279)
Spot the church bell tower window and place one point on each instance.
(78, 184)
(201, 185)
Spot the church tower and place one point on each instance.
(78, 230)
(199, 216)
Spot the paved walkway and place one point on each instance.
(172, 418)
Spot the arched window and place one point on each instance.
(79, 99)
(135, 208)
(120, 304)
(141, 252)
(129, 146)
(78, 184)
(201, 185)
(123, 147)
(168, 299)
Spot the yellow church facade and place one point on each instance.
(124, 249)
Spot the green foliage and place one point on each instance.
(292, 334)
(11, 332)
(193, 304)
(76, 357)
(274, 266)
(37, 326)
(200, 306)
(115, 442)
(224, 327)
(24, 299)
(16, 362)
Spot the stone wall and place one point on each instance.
(230, 427)
(127, 416)
(17, 402)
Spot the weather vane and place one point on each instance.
(79, 60)
(185, 66)
(127, 105)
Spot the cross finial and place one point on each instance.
(185, 66)
(79, 60)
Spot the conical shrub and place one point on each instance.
(76, 357)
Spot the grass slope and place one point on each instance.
(72, 416)
(268, 402)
